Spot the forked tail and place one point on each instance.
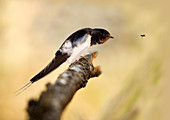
(56, 62)
(23, 88)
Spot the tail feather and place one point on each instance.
(56, 62)
(23, 88)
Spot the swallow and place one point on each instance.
(71, 50)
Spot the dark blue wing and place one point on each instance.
(56, 62)
(77, 36)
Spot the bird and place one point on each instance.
(71, 50)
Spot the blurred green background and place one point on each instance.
(135, 82)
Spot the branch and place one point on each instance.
(53, 101)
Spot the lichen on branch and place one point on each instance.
(53, 101)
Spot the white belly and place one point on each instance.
(79, 50)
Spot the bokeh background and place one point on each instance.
(135, 81)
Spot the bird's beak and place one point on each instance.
(111, 37)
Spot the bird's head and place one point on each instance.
(100, 36)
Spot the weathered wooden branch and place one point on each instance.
(52, 102)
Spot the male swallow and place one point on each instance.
(71, 50)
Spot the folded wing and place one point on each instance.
(56, 62)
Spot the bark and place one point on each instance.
(53, 101)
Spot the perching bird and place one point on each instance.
(72, 48)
